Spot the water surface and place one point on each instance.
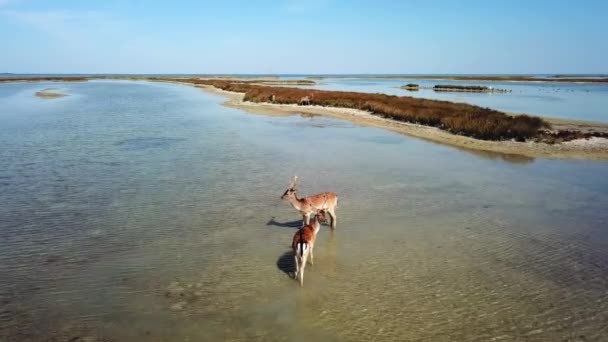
(110, 195)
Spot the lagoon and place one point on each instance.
(112, 194)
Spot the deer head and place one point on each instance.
(291, 189)
(320, 216)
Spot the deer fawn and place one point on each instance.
(304, 243)
(327, 201)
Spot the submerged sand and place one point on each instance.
(49, 93)
(596, 148)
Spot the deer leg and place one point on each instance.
(307, 218)
(302, 268)
(311, 255)
(332, 214)
(296, 263)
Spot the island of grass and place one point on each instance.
(411, 87)
(467, 88)
(456, 118)
(40, 79)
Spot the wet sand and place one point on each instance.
(577, 125)
(594, 149)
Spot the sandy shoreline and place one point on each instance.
(594, 149)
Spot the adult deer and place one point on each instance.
(306, 100)
(327, 201)
(304, 243)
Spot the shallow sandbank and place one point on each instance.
(49, 93)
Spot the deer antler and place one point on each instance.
(295, 182)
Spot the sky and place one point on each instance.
(304, 37)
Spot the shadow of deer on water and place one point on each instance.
(297, 224)
(286, 264)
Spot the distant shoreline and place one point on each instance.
(514, 78)
(42, 79)
(559, 78)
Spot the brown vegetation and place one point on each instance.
(284, 82)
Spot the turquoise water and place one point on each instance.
(112, 194)
(583, 101)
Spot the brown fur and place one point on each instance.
(305, 235)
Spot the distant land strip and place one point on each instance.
(556, 78)
(45, 79)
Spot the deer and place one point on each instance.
(326, 201)
(304, 243)
(306, 100)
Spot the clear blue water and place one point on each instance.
(112, 194)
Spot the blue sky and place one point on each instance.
(297, 36)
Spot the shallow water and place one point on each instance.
(111, 194)
(583, 101)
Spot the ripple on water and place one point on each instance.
(147, 142)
